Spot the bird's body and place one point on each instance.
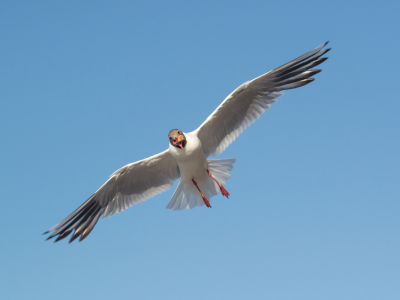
(186, 157)
(191, 160)
(196, 185)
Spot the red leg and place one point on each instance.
(204, 198)
(223, 190)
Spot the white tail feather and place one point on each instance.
(187, 195)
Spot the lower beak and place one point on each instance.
(180, 138)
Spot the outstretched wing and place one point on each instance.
(249, 101)
(127, 186)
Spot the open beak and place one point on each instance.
(178, 141)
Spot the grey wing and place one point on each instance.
(127, 186)
(249, 101)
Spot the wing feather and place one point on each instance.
(127, 186)
(249, 101)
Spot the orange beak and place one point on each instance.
(180, 138)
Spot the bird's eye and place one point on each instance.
(179, 132)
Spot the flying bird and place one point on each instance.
(186, 157)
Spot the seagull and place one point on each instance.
(186, 156)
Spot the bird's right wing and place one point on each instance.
(127, 186)
(249, 101)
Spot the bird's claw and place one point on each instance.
(224, 192)
(206, 202)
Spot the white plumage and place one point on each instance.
(144, 179)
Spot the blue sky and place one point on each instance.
(87, 87)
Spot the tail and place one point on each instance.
(187, 196)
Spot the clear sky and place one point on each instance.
(87, 87)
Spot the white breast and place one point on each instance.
(191, 159)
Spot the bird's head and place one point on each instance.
(177, 138)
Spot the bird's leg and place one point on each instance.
(204, 198)
(223, 190)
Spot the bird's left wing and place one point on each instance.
(251, 99)
(127, 186)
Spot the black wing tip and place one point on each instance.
(321, 60)
(78, 232)
(81, 223)
(324, 51)
(82, 234)
(72, 239)
(59, 236)
(305, 81)
(314, 72)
